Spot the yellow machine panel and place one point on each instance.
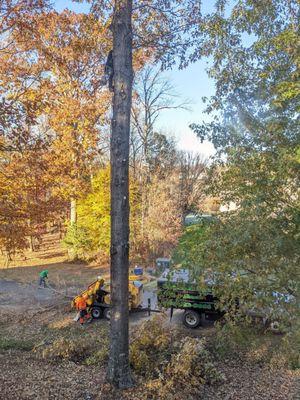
(135, 293)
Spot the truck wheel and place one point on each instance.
(106, 313)
(275, 327)
(97, 312)
(191, 319)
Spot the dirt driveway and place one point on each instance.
(15, 294)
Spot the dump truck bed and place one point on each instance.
(184, 295)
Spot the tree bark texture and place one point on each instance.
(118, 368)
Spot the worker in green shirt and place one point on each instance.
(43, 277)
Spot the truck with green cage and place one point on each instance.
(197, 304)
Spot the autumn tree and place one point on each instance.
(16, 116)
(14, 12)
(162, 223)
(53, 99)
(153, 154)
(192, 173)
(72, 52)
(52, 105)
(25, 198)
(13, 226)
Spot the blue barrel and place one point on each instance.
(138, 271)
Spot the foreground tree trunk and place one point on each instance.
(118, 368)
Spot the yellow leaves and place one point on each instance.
(287, 91)
(93, 211)
(31, 95)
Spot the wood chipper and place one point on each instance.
(98, 297)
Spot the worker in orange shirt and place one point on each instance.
(81, 306)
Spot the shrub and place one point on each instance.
(288, 353)
(233, 337)
(78, 242)
(188, 370)
(64, 349)
(150, 347)
(239, 339)
(176, 368)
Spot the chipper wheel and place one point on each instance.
(191, 319)
(106, 313)
(97, 312)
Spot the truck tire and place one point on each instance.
(97, 312)
(191, 319)
(106, 313)
(275, 327)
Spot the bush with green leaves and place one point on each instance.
(191, 245)
(78, 241)
(288, 353)
(241, 339)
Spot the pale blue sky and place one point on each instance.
(191, 83)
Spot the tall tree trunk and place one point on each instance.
(7, 259)
(72, 253)
(73, 212)
(118, 368)
(30, 237)
(31, 243)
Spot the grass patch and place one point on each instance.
(100, 357)
(16, 344)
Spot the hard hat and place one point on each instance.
(99, 277)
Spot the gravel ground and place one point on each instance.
(16, 294)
